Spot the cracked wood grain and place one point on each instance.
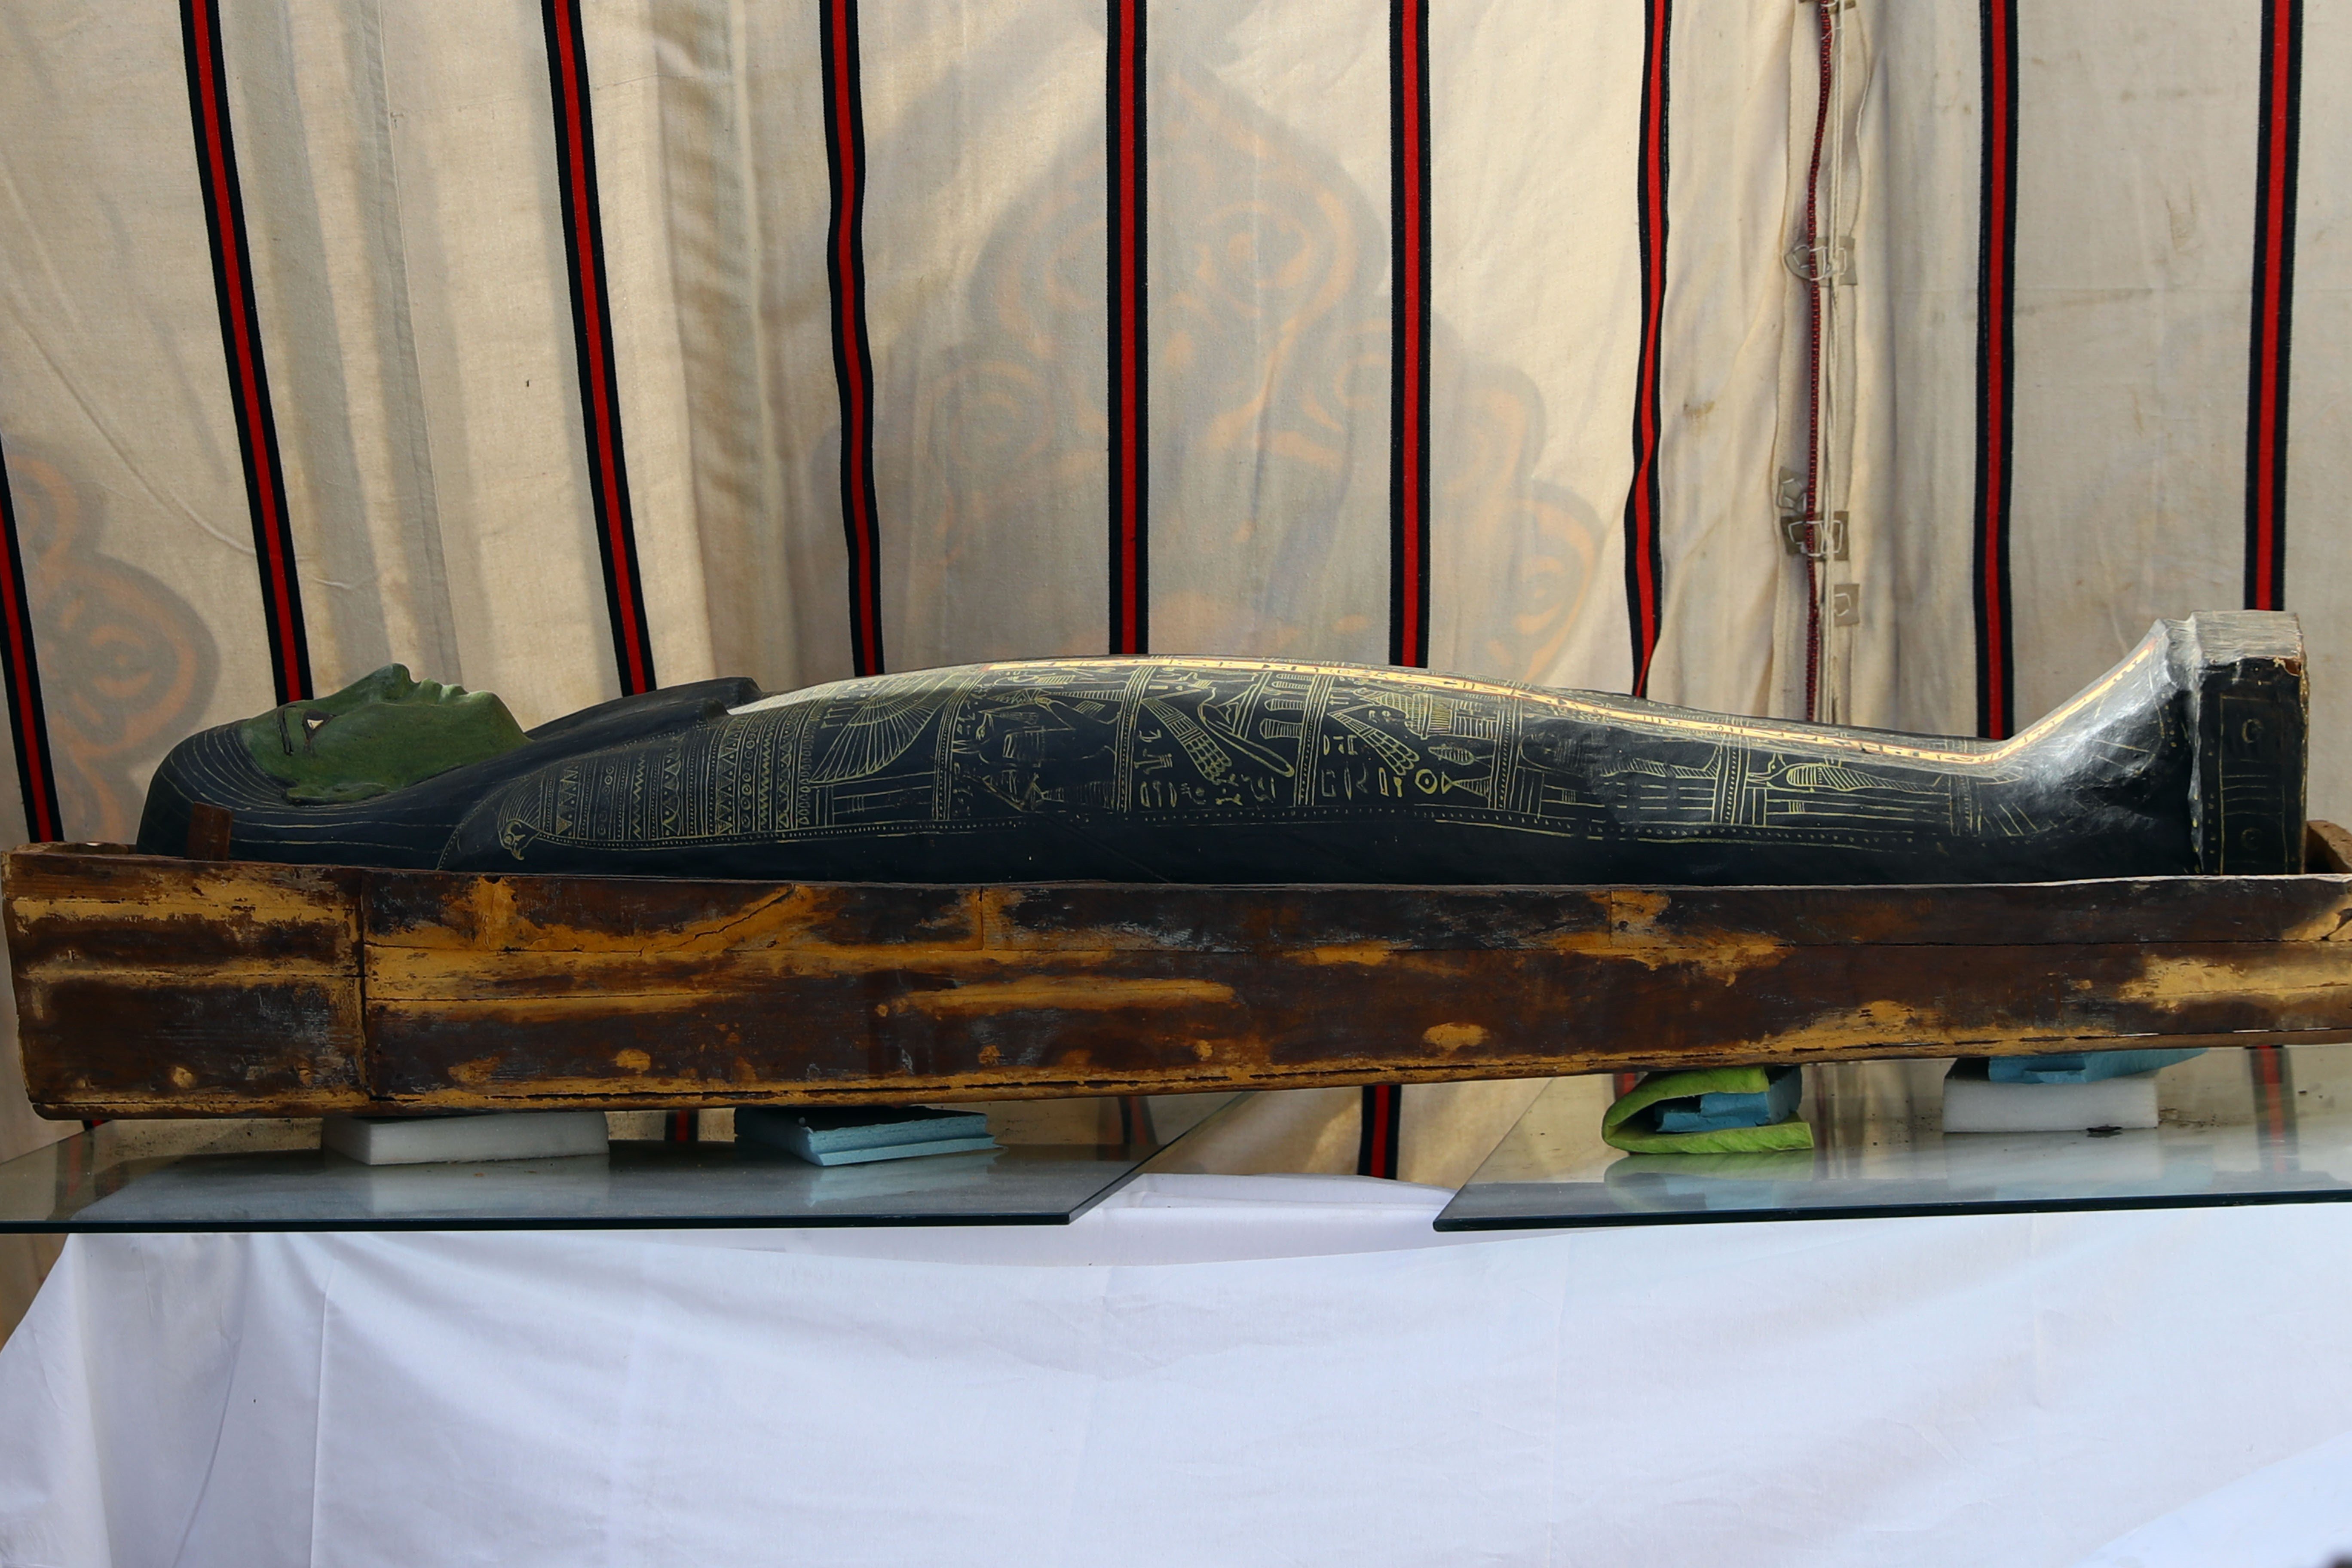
(164, 987)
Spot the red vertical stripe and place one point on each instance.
(1377, 1151)
(257, 427)
(2273, 302)
(852, 356)
(1995, 375)
(591, 321)
(1409, 384)
(1644, 573)
(1409, 240)
(1129, 172)
(2273, 1096)
(27, 717)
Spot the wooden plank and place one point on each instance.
(163, 987)
(158, 988)
(559, 987)
(2124, 909)
(1223, 1023)
(877, 924)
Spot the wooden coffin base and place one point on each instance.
(150, 986)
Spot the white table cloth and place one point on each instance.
(1218, 1371)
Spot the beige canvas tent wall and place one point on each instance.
(554, 349)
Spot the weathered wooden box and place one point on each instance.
(150, 986)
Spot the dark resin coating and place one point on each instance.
(2186, 756)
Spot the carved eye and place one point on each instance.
(285, 732)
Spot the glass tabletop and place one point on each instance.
(2235, 1126)
(239, 1176)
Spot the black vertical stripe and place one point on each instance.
(1126, 182)
(1645, 565)
(1409, 531)
(591, 330)
(1408, 228)
(1377, 1141)
(853, 351)
(28, 723)
(2278, 153)
(1817, 287)
(1996, 372)
(248, 370)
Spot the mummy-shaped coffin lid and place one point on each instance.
(2188, 756)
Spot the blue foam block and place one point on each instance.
(1717, 1112)
(2082, 1067)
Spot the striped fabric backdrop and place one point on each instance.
(1892, 363)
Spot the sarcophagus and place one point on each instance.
(479, 943)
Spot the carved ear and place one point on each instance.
(336, 794)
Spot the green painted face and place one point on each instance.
(378, 734)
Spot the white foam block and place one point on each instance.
(1972, 1103)
(502, 1135)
